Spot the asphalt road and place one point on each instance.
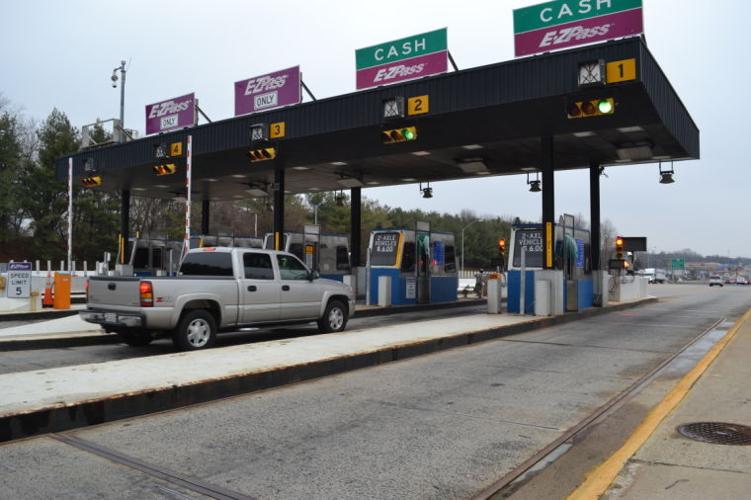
(439, 426)
(35, 359)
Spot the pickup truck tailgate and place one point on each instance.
(114, 291)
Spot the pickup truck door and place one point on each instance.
(301, 298)
(260, 291)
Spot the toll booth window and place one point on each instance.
(296, 249)
(141, 260)
(437, 257)
(258, 266)
(207, 264)
(291, 269)
(156, 258)
(450, 265)
(408, 257)
(384, 249)
(342, 258)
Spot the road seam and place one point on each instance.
(190, 483)
(599, 479)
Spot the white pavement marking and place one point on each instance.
(60, 387)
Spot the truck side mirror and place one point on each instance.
(313, 275)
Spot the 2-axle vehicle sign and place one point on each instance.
(567, 23)
(274, 90)
(405, 59)
(171, 114)
(19, 280)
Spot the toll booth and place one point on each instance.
(327, 253)
(568, 287)
(421, 266)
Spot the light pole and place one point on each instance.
(121, 69)
(465, 227)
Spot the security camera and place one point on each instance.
(114, 80)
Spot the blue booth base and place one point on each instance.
(442, 288)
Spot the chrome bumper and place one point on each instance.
(112, 318)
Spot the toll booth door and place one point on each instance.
(423, 267)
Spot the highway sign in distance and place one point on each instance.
(678, 264)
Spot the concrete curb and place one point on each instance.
(385, 311)
(39, 315)
(64, 417)
(59, 341)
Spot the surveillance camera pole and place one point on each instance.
(121, 69)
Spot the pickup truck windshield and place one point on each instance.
(207, 264)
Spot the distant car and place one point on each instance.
(715, 281)
(741, 281)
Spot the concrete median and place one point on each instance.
(58, 399)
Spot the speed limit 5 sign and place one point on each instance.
(19, 280)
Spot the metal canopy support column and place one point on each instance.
(548, 202)
(355, 226)
(278, 206)
(595, 245)
(594, 214)
(205, 217)
(125, 215)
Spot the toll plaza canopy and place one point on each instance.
(487, 120)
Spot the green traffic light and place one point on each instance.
(605, 106)
(408, 134)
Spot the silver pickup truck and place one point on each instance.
(217, 289)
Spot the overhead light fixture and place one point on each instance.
(628, 130)
(238, 176)
(349, 182)
(256, 192)
(534, 184)
(635, 152)
(427, 191)
(211, 179)
(408, 179)
(314, 189)
(666, 176)
(160, 186)
(339, 198)
(472, 165)
(421, 153)
(472, 147)
(528, 169)
(483, 173)
(582, 135)
(662, 157)
(138, 189)
(338, 163)
(300, 168)
(373, 183)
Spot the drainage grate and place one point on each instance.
(717, 433)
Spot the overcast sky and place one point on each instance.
(61, 54)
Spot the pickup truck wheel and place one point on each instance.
(197, 330)
(134, 339)
(334, 317)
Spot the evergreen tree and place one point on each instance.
(43, 196)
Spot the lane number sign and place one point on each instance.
(19, 280)
(621, 71)
(418, 105)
